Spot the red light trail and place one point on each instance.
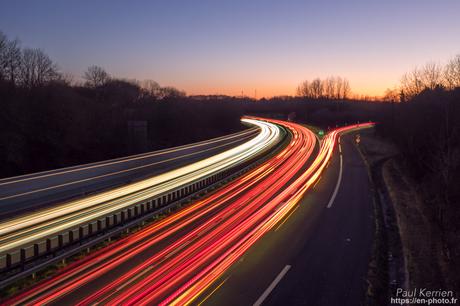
(191, 249)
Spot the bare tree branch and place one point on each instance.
(96, 76)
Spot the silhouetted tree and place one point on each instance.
(151, 88)
(411, 84)
(37, 69)
(3, 44)
(303, 90)
(452, 73)
(96, 76)
(431, 75)
(338, 87)
(170, 92)
(316, 87)
(10, 59)
(391, 95)
(330, 88)
(345, 89)
(426, 128)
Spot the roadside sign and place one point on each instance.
(357, 138)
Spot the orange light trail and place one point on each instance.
(229, 221)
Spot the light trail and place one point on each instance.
(23, 230)
(223, 196)
(201, 241)
(113, 173)
(192, 289)
(80, 168)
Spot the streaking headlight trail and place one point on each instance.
(175, 260)
(26, 229)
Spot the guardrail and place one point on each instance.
(28, 259)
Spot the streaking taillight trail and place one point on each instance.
(285, 201)
(180, 271)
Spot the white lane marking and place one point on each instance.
(91, 178)
(340, 148)
(43, 174)
(272, 286)
(134, 278)
(331, 201)
(177, 249)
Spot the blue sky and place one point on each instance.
(228, 46)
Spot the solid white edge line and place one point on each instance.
(331, 201)
(272, 286)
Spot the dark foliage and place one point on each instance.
(57, 125)
(325, 113)
(45, 123)
(427, 131)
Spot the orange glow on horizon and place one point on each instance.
(270, 92)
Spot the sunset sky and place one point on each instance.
(212, 46)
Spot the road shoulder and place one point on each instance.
(408, 251)
(387, 266)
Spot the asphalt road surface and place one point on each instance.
(318, 255)
(154, 262)
(249, 243)
(33, 191)
(22, 230)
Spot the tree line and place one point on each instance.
(330, 88)
(32, 67)
(96, 77)
(28, 67)
(425, 125)
(48, 120)
(430, 76)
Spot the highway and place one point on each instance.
(318, 255)
(180, 258)
(32, 191)
(31, 227)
